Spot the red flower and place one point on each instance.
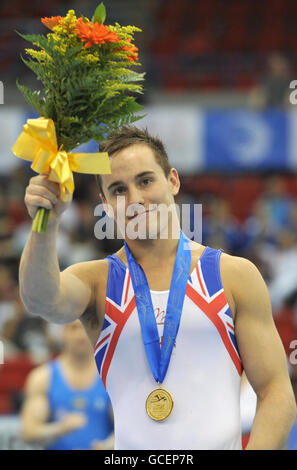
(93, 33)
(132, 48)
(51, 22)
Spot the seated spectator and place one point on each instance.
(66, 406)
(273, 89)
(272, 211)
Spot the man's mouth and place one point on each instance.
(141, 214)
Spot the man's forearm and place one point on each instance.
(44, 434)
(39, 272)
(273, 421)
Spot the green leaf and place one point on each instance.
(100, 14)
(33, 98)
(31, 37)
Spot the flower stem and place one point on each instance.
(41, 220)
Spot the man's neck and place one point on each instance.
(77, 361)
(150, 251)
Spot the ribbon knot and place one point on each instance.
(38, 144)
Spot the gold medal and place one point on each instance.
(159, 404)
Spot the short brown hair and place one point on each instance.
(131, 135)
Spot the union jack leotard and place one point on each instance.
(204, 373)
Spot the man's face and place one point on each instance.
(136, 188)
(75, 338)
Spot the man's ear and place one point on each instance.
(174, 181)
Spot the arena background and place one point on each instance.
(217, 91)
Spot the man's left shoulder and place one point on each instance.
(241, 276)
(196, 249)
(236, 266)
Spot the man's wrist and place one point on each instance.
(52, 226)
(52, 431)
(54, 223)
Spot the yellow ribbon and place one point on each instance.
(38, 144)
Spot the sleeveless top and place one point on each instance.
(204, 373)
(93, 402)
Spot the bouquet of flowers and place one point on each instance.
(85, 68)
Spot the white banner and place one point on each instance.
(180, 128)
(11, 122)
(10, 434)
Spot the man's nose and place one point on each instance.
(135, 196)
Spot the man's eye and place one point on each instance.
(119, 190)
(146, 181)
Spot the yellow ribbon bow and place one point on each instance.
(38, 144)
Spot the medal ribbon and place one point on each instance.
(159, 358)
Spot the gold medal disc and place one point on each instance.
(159, 404)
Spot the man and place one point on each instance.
(66, 406)
(186, 393)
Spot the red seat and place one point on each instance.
(6, 405)
(241, 194)
(13, 373)
(286, 327)
(246, 81)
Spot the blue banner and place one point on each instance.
(245, 140)
(230, 140)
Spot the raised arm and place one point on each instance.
(262, 354)
(57, 297)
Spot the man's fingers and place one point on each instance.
(38, 190)
(43, 180)
(38, 201)
(44, 193)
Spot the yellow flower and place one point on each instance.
(66, 24)
(63, 33)
(124, 32)
(92, 59)
(41, 56)
(62, 48)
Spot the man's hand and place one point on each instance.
(72, 421)
(107, 444)
(44, 193)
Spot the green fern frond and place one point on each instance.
(33, 98)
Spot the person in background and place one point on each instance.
(273, 89)
(66, 406)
